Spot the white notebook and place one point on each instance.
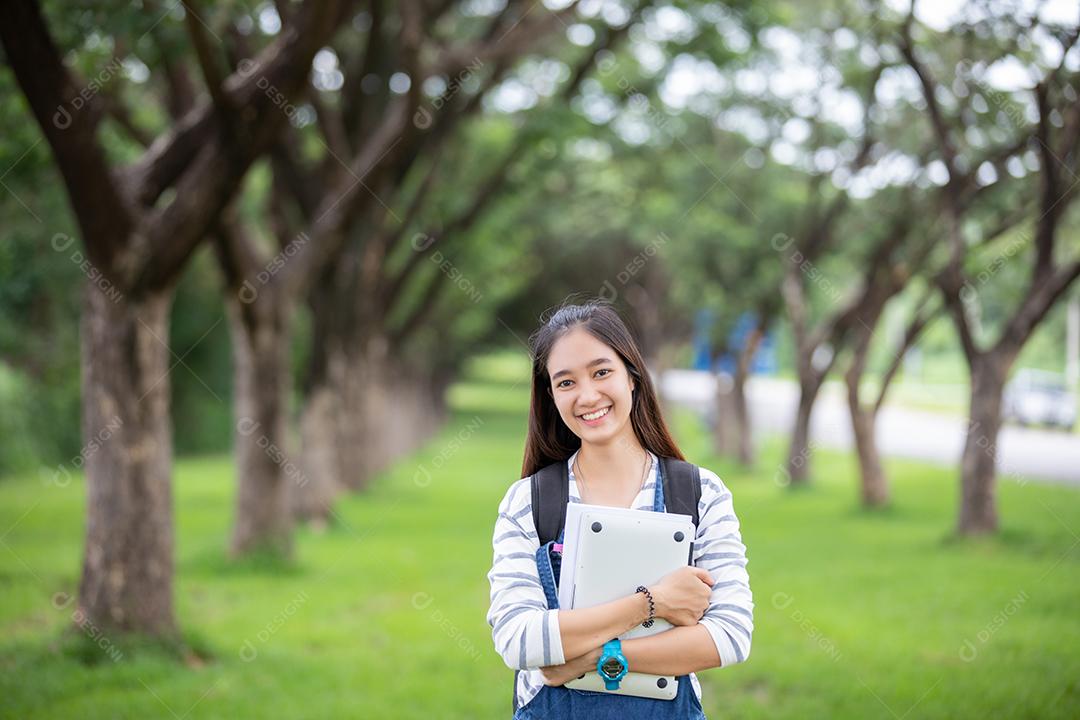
(607, 553)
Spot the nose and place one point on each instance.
(589, 396)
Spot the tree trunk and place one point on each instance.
(320, 421)
(742, 409)
(798, 460)
(659, 364)
(363, 412)
(128, 559)
(978, 504)
(874, 483)
(744, 430)
(318, 456)
(385, 412)
(725, 431)
(260, 341)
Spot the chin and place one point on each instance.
(603, 434)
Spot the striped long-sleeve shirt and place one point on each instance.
(526, 633)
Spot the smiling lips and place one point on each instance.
(594, 418)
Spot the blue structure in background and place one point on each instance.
(702, 347)
(764, 361)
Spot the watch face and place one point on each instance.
(612, 667)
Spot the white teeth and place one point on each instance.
(597, 414)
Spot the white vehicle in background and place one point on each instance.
(1038, 397)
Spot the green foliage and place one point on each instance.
(201, 372)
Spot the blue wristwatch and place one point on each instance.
(612, 664)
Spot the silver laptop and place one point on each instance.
(607, 553)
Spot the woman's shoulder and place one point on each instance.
(714, 493)
(711, 481)
(517, 496)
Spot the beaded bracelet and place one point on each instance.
(652, 608)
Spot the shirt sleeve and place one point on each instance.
(526, 634)
(719, 549)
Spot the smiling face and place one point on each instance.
(591, 386)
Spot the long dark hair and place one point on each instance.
(549, 439)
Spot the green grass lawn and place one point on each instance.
(859, 615)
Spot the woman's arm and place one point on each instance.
(680, 597)
(719, 549)
(678, 651)
(525, 632)
(586, 629)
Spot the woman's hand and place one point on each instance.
(682, 596)
(556, 675)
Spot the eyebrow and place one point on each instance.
(597, 361)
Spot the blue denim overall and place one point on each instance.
(556, 703)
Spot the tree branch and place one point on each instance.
(211, 72)
(515, 42)
(919, 322)
(69, 124)
(951, 282)
(167, 237)
(929, 90)
(1036, 304)
(121, 115)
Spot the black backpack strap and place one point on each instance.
(550, 493)
(682, 487)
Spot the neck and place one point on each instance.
(615, 464)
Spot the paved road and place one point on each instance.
(1023, 453)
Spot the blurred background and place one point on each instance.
(269, 270)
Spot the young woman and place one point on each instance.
(594, 408)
